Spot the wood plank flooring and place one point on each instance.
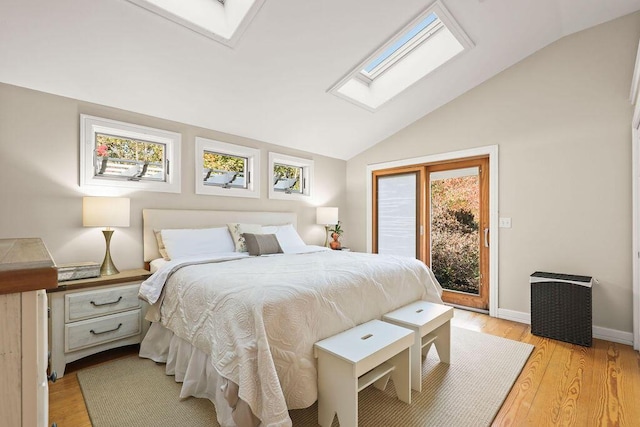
(561, 384)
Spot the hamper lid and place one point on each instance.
(541, 276)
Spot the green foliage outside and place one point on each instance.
(288, 172)
(455, 256)
(129, 149)
(221, 162)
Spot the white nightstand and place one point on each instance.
(88, 316)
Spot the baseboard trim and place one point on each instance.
(599, 332)
(464, 307)
(613, 335)
(516, 316)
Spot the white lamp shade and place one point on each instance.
(105, 211)
(326, 216)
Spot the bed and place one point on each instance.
(239, 330)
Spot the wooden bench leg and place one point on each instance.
(443, 342)
(401, 375)
(337, 393)
(416, 363)
(347, 405)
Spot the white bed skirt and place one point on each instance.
(192, 367)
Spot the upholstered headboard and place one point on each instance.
(158, 219)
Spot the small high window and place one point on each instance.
(288, 179)
(117, 154)
(224, 169)
(129, 158)
(291, 177)
(427, 43)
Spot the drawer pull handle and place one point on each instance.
(95, 304)
(104, 332)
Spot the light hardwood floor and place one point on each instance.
(561, 384)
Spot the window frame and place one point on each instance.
(405, 49)
(90, 126)
(307, 176)
(398, 72)
(224, 148)
(223, 23)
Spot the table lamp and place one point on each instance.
(327, 217)
(106, 212)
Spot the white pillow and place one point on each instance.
(181, 243)
(270, 229)
(287, 236)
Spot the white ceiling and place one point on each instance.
(273, 85)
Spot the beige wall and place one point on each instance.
(562, 121)
(39, 179)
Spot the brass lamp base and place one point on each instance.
(326, 236)
(107, 268)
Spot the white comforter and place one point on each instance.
(258, 317)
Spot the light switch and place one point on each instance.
(505, 222)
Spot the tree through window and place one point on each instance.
(287, 178)
(291, 177)
(125, 155)
(130, 159)
(224, 170)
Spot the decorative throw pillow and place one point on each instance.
(261, 244)
(237, 229)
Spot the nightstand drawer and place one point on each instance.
(87, 333)
(84, 305)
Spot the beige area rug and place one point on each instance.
(469, 392)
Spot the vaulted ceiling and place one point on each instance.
(273, 85)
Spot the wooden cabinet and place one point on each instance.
(92, 315)
(26, 269)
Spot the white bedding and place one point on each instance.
(156, 264)
(258, 317)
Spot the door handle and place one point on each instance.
(486, 237)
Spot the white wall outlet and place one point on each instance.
(505, 222)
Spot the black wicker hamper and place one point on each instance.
(561, 307)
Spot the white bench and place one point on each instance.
(348, 362)
(431, 324)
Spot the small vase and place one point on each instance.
(335, 243)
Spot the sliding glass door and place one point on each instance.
(438, 213)
(459, 232)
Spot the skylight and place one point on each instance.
(220, 20)
(427, 43)
(401, 44)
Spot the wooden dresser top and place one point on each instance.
(26, 265)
